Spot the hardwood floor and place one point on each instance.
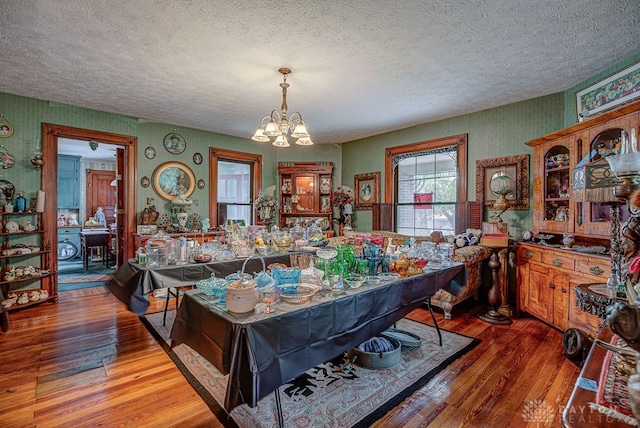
(87, 361)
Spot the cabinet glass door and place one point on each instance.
(304, 195)
(556, 188)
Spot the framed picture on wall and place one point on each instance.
(6, 129)
(174, 143)
(172, 179)
(516, 167)
(367, 190)
(608, 93)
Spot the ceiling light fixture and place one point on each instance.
(278, 125)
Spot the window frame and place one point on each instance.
(459, 140)
(217, 154)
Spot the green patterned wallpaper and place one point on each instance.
(501, 131)
(27, 115)
(497, 132)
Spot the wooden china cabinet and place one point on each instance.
(305, 193)
(548, 274)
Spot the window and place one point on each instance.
(424, 181)
(234, 191)
(235, 178)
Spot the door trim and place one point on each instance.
(50, 135)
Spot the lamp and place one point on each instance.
(278, 125)
(610, 180)
(501, 185)
(37, 160)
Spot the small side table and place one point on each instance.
(498, 291)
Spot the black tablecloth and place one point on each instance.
(263, 351)
(131, 282)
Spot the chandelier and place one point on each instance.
(278, 125)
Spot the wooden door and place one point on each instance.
(540, 295)
(100, 193)
(120, 220)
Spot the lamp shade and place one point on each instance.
(593, 182)
(281, 141)
(300, 131)
(259, 136)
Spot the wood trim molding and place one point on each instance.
(216, 154)
(460, 140)
(50, 135)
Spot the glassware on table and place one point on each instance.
(401, 265)
(287, 275)
(304, 260)
(362, 266)
(269, 294)
(326, 254)
(282, 240)
(446, 250)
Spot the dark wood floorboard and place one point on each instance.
(87, 361)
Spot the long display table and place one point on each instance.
(261, 351)
(131, 282)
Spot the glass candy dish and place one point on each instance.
(212, 286)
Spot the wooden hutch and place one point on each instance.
(305, 193)
(548, 274)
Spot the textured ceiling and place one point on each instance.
(360, 68)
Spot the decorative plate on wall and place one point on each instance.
(150, 152)
(197, 158)
(174, 143)
(6, 129)
(7, 159)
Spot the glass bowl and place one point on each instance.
(303, 293)
(354, 280)
(372, 280)
(265, 250)
(212, 286)
(243, 252)
(286, 275)
(388, 276)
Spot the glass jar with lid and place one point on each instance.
(158, 248)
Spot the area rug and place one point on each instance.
(333, 394)
(612, 397)
(84, 278)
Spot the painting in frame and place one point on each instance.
(172, 179)
(517, 167)
(366, 190)
(6, 129)
(620, 88)
(174, 143)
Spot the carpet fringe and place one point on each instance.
(614, 414)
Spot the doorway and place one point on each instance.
(124, 213)
(86, 187)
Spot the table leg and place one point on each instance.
(433, 317)
(279, 407)
(493, 316)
